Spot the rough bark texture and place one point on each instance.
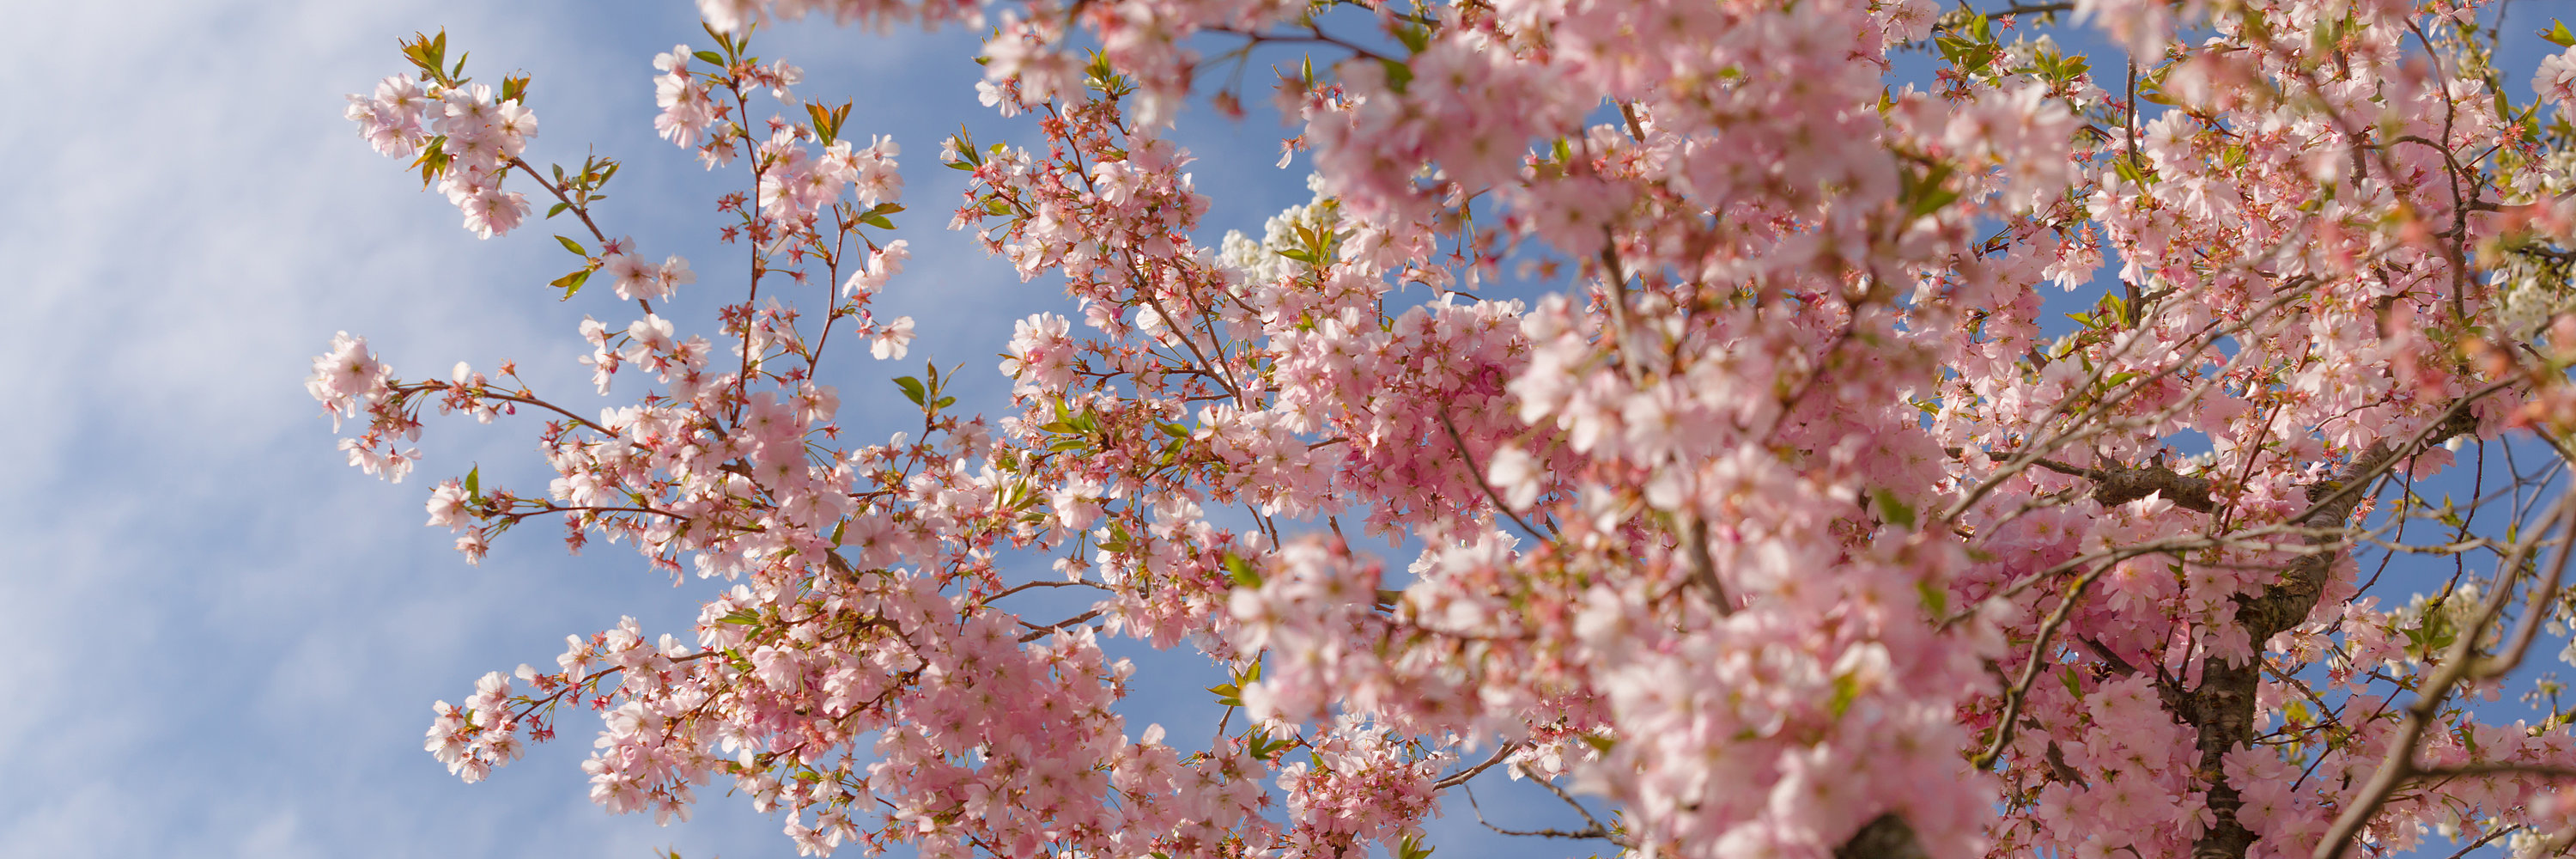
(1887, 837)
(2123, 484)
(2221, 708)
(2115, 484)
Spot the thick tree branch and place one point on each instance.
(2221, 709)
(2121, 484)
(1886, 837)
(1701, 566)
(2459, 664)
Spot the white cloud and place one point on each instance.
(224, 641)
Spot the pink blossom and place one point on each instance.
(1786, 509)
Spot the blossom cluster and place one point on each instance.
(466, 139)
(1777, 520)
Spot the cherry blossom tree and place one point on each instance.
(1776, 524)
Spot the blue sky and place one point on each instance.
(224, 641)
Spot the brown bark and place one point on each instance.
(1886, 837)
(2221, 708)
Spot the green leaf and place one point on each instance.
(1846, 690)
(514, 88)
(2074, 686)
(557, 209)
(1398, 75)
(1894, 510)
(710, 58)
(573, 246)
(433, 160)
(2256, 28)
(429, 53)
(1934, 598)
(1411, 848)
(2558, 35)
(742, 617)
(913, 390)
(2128, 168)
(1264, 747)
(827, 121)
(1925, 192)
(822, 117)
(571, 283)
(1599, 743)
(1241, 571)
(1415, 39)
(1229, 694)
(1298, 255)
(1933, 201)
(877, 221)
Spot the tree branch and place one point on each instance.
(1886, 837)
(1593, 831)
(1460, 777)
(2461, 662)
(2221, 710)
(2121, 484)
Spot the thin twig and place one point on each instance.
(2398, 767)
(1595, 832)
(2030, 671)
(1478, 475)
(1460, 777)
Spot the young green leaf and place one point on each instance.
(571, 283)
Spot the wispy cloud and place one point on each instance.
(223, 642)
